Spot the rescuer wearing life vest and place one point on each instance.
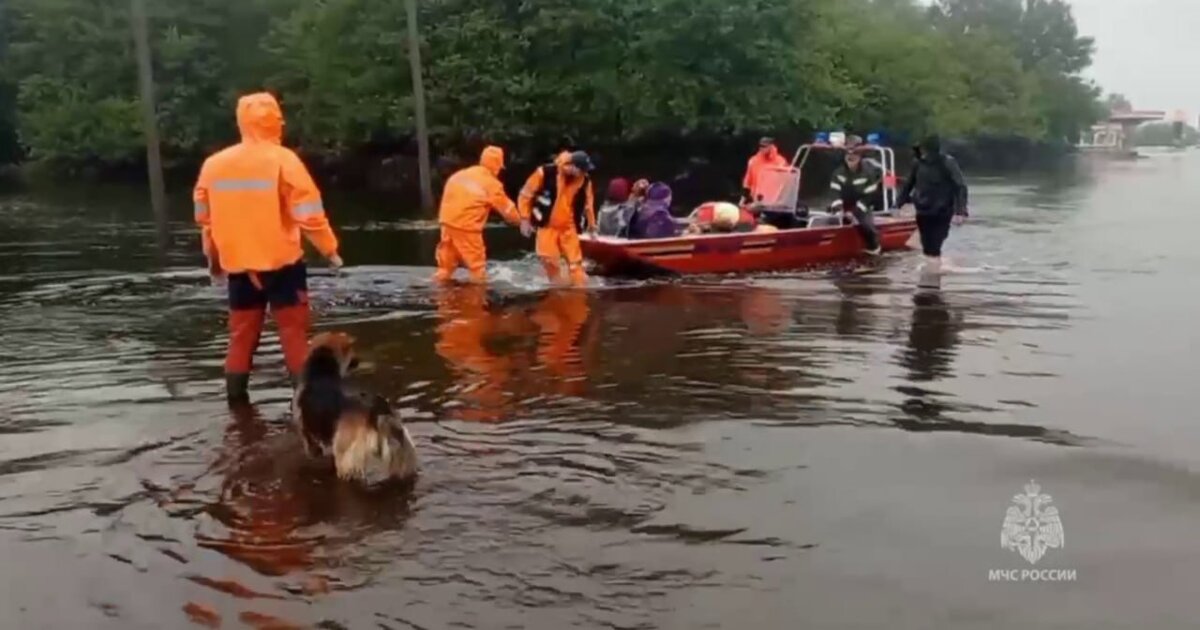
(252, 202)
(466, 201)
(558, 200)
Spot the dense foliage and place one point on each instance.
(604, 71)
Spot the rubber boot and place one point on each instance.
(237, 389)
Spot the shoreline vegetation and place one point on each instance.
(690, 82)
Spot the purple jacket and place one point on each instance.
(653, 219)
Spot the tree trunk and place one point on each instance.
(158, 199)
(414, 62)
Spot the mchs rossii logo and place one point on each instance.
(1032, 526)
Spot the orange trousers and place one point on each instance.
(553, 246)
(461, 248)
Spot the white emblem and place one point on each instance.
(1032, 525)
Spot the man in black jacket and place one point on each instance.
(858, 188)
(937, 188)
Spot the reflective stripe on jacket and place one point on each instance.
(254, 199)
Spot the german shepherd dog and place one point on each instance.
(363, 435)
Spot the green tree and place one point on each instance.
(605, 71)
(1043, 38)
(340, 70)
(9, 148)
(73, 63)
(1117, 103)
(77, 83)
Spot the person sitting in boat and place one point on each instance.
(638, 194)
(767, 157)
(653, 217)
(618, 209)
(858, 186)
(721, 217)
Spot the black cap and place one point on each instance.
(766, 141)
(581, 161)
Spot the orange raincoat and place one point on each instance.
(757, 164)
(252, 202)
(559, 239)
(466, 201)
(254, 198)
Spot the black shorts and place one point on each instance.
(286, 286)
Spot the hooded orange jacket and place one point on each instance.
(253, 199)
(471, 193)
(757, 164)
(562, 216)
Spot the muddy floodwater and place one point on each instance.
(827, 449)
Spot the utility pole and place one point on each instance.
(414, 64)
(158, 198)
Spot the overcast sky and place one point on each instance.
(1147, 50)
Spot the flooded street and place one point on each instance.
(823, 449)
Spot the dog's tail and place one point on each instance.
(364, 444)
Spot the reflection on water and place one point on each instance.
(708, 452)
(486, 349)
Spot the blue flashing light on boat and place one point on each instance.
(822, 137)
(874, 138)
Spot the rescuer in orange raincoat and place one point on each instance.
(252, 201)
(559, 201)
(468, 197)
(767, 157)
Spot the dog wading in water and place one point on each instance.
(363, 436)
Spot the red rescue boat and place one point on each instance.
(819, 240)
(735, 253)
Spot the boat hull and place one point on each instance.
(740, 253)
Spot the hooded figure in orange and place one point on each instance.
(253, 200)
(767, 157)
(558, 200)
(466, 201)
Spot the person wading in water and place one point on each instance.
(253, 202)
(936, 187)
(557, 200)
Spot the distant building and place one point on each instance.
(1114, 135)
